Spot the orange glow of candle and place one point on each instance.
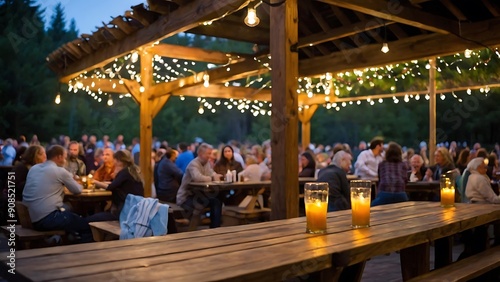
(316, 216)
(448, 197)
(360, 211)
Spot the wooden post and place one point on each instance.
(146, 121)
(284, 97)
(305, 119)
(432, 110)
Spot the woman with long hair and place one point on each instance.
(444, 164)
(35, 154)
(392, 177)
(227, 162)
(463, 159)
(307, 165)
(128, 180)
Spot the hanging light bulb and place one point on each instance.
(110, 101)
(385, 48)
(201, 110)
(58, 99)
(251, 19)
(206, 80)
(467, 53)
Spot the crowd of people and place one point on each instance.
(42, 172)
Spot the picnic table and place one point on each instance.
(268, 251)
(89, 199)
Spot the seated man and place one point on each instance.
(199, 170)
(74, 164)
(106, 171)
(44, 192)
(336, 175)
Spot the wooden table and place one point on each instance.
(87, 200)
(268, 251)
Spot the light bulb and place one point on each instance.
(58, 99)
(201, 110)
(206, 80)
(385, 48)
(251, 19)
(110, 101)
(467, 53)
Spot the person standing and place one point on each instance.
(184, 158)
(44, 193)
(367, 163)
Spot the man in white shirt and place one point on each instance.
(44, 193)
(367, 163)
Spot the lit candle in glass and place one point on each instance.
(84, 182)
(447, 192)
(360, 203)
(316, 204)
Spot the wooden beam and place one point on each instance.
(231, 72)
(184, 18)
(222, 92)
(341, 32)
(123, 25)
(492, 8)
(284, 189)
(146, 122)
(454, 10)
(432, 110)
(158, 104)
(134, 89)
(305, 116)
(394, 11)
(256, 35)
(191, 53)
(411, 48)
(161, 6)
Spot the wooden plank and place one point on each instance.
(234, 261)
(341, 32)
(284, 118)
(146, 122)
(231, 72)
(492, 8)
(466, 269)
(454, 10)
(123, 25)
(432, 110)
(219, 29)
(191, 53)
(415, 260)
(305, 117)
(161, 6)
(184, 18)
(223, 92)
(411, 48)
(399, 13)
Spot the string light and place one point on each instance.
(252, 19)
(110, 101)
(58, 99)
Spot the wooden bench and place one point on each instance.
(465, 269)
(246, 213)
(110, 230)
(25, 234)
(105, 230)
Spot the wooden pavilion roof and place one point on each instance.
(334, 35)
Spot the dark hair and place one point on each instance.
(492, 159)
(310, 159)
(482, 153)
(29, 156)
(223, 159)
(375, 142)
(182, 146)
(55, 151)
(394, 154)
(463, 157)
